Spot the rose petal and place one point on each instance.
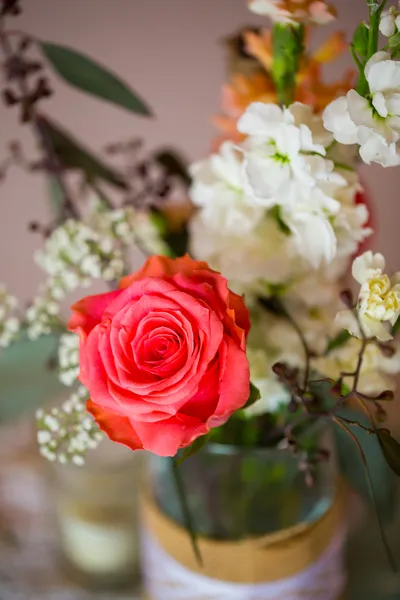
(161, 266)
(234, 382)
(167, 438)
(88, 312)
(117, 428)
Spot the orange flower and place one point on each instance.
(236, 96)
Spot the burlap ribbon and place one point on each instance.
(255, 560)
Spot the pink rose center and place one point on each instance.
(161, 351)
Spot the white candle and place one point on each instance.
(96, 512)
(98, 548)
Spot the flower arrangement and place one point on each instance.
(167, 356)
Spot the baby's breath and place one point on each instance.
(65, 434)
(9, 323)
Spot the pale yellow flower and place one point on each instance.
(378, 302)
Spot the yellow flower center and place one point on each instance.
(381, 300)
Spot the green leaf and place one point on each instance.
(174, 164)
(394, 40)
(177, 241)
(89, 76)
(338, 341)
(73, 155)
(391, 449)
(197, 445)
(254, 395)
(360, 40)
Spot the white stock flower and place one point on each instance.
(309, 216)
(266, 256)
(378, 302)
(374, 122)
(390, 20)
(218, 190)
(274, 154)
(284, 165)
(315, 12)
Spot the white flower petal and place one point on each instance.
(264, 178)
(374, 148)
(375, 328)
(387, 24)
(360, 111)
(314, 236)
(378, 57)
(337, 120)
(261, 119)
(379, 103)
(367, 265)
(383, 75)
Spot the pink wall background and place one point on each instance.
(169, 51)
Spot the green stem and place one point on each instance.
(373, 37)
(187, 517)
(288, 47)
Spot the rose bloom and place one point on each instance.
(164, 356)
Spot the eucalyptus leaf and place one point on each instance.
(391, 450)
(174, 164)
(73, 155)
(87, 75)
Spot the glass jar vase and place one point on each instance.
(263, 531)
(96, 516)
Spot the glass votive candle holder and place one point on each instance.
(96, 516)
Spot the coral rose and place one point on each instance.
(164, 356)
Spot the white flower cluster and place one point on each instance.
(42, 315)
(372, 122)
(75, 254)
(68, 358)
(65, 434)
(128, 226)
(9, 323)
(276, 205)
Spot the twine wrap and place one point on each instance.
(299, 563)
